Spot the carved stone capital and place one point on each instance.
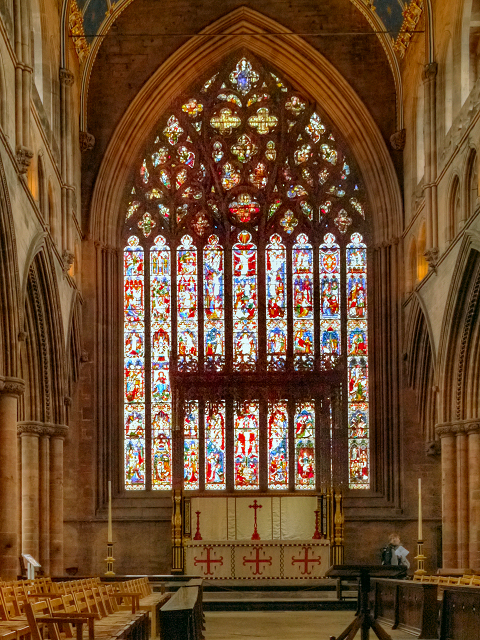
(398, 139)
(458, 428)
(32, 429)
(59, 431)
(87, 141)
(24, 158)
(432, 448)
(68, 259)
(66, 77)
(431, 256)
(430, 71)
(12, 386)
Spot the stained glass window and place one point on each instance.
(278, 444)
(245, 303)
(246, 436)
(215, 476)
(134, 364)
(214, 305)
(303, 314)
(187, 304)
(276, 285)
(245, 277)
(161, 404)
(191, 453)
(357, 345)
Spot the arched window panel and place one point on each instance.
(303, 313)
(215, 467)
(276, 297)
(304, 437)
(245, 304)
(242, 209)
(134, 364)
(277, 420)
(187, 306)
(191, 446)
(246, 435)
(330, 309)
(357, 364)
(214, 305)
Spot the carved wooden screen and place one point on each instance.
(245, 308)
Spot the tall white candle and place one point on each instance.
(109, 534)
(420, 532)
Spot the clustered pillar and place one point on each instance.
(42, 493)
(460, 493)
(10, 390)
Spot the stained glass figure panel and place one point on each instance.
(304, 437)
(303, 325)
(191, 448)
(187, 305)
(277, 419)
(246, 434)
(330, 311)
(215, 472)
(214, 305)
(245, 303)
(162, 446)
(276, 299)
(357, 357)
(134, 364)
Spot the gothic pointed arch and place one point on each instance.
(43, 353)
(458, 362)
(420, 367)
(308, 71)
(9, 284)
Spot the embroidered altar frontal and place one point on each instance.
(295, 560)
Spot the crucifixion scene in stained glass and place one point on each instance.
(245, 295)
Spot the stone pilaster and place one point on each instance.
(10, 390)
(56, 499)
(29, 433)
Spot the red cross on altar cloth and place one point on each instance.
(257, 561)
(306, 560)
(208, 561)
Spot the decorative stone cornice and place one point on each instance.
(12, 386)
(457, 428)
(398, 139)
(24, 158)
(66, 77)
(87, 141)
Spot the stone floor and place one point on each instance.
(283, 625)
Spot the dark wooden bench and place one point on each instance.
(460, 618)
(407, 605)
(181, 618)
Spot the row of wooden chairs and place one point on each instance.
(65, 608)
(463, 581)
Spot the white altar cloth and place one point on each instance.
(277, 559)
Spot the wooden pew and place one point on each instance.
(180, 617)
(460, 618)
(408, 605)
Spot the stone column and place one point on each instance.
(66, 82)
(56, 499)
(449, 494)
(44, 499)
(10, 389)
(474, 493)
(29, 433)
(462, 497)
(430, 174)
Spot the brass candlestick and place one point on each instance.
(109, 560)
(420, 558)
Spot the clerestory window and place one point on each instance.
(245, 296)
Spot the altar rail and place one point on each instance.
(411, 606)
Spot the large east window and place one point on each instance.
(245, 295)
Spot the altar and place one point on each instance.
(283, 546)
